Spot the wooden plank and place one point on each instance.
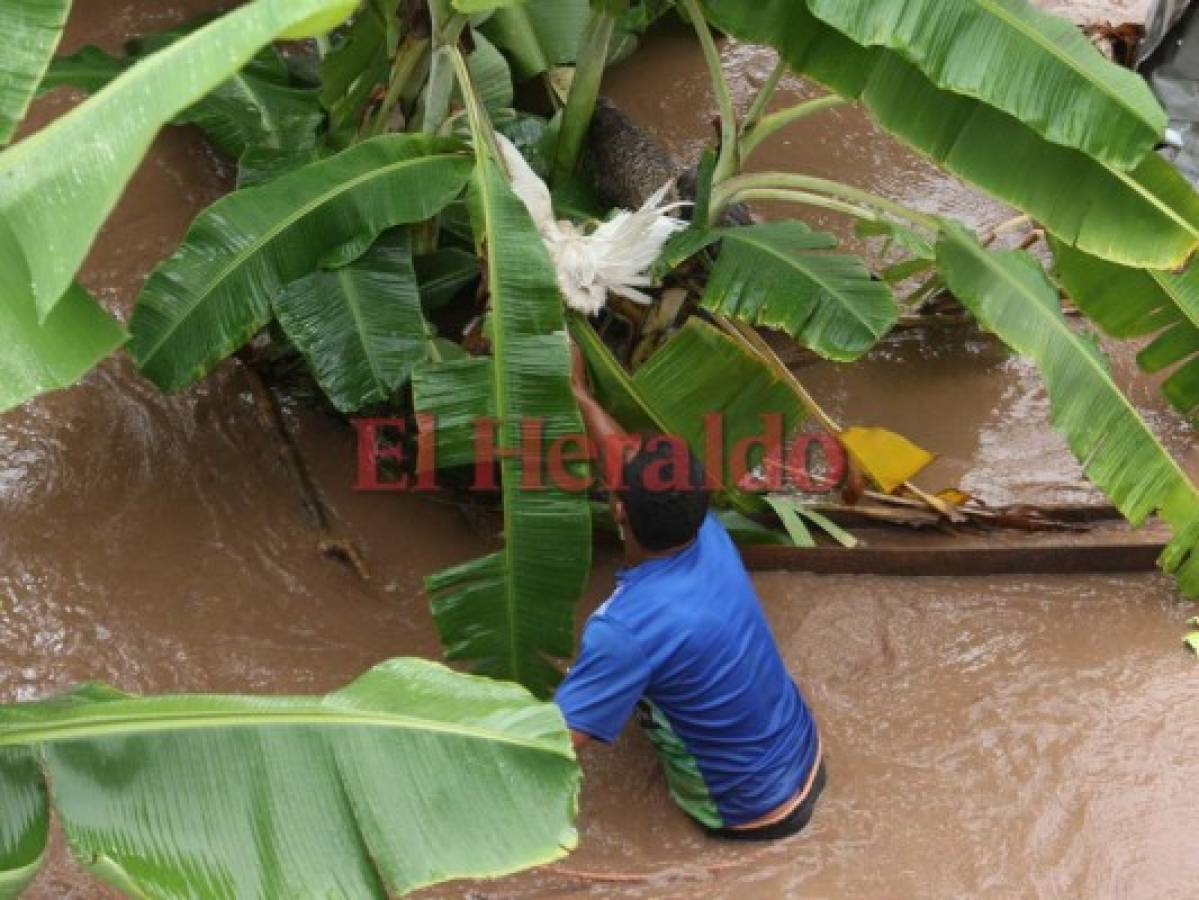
(1045, 559)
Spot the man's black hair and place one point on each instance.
(664, 493)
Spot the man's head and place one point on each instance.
(662, 497)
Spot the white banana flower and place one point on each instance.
(614, 258)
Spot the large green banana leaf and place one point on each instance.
(774, 276)
(215, 292)
(257, 107)
(660, 399)
(61, 183)
(491, 76)
(351, 71)
(410, 775)
(456, 394)
(360, 327)
(36, 357)
(1132, 303)
(613, 387)
(444, 274)
(88, 69)
(507, 612)
(538, 34)
(24, 822)
(1034, 66)
(1011, 296)
(1147, 216)
(31, 30)
(702, 371)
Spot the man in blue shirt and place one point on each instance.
(683, 641)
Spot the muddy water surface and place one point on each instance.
(1002, 737)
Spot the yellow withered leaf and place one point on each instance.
(955, 496)
(887, 458)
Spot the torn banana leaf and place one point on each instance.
(511, 612)
(1133, 303)
(1011, 296)
(408, 776)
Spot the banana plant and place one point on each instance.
(374, 195)
(349, 240)
(1018, 103)
(411, 775)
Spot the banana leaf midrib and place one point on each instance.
(155, 721)
(498, 342)
(1030, 32)
(1161, 279)
(1042, 40)
(1059, 323)
(790, 261)
(1151, 198)
(263, 107)
(354, 304)
(240, 258)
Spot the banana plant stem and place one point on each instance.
(584, 90)
(733, 190)
(480, 124)
(441, 72)
(805, 199)
(727, 163)
(752, 341)
(765, 94)
(774, 122)
(409, 57)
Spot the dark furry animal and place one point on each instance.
(628, 164)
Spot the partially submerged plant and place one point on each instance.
(363, 216)
(350, 234)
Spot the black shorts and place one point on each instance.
(793, 824)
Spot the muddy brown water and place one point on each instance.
(997, 737)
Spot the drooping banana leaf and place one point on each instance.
(88, 69)
(1011, 296)
(359, 327)
(444, 274)
(410, 775)
(538, 34)
(351, 70)
(456, 394)
(1131, 303)
(613, 387)
(1145, 216)
(662, 401)
(702, 371)
(1036, 67)
(256, 108)
(251, 110)
(491, 74)
(509, 611)
(31, 30)
(36, 357)
(258, 165)
(215, 292)
(24, 820)
(774, 276)
(61, 183)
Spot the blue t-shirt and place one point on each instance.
(687, 634)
